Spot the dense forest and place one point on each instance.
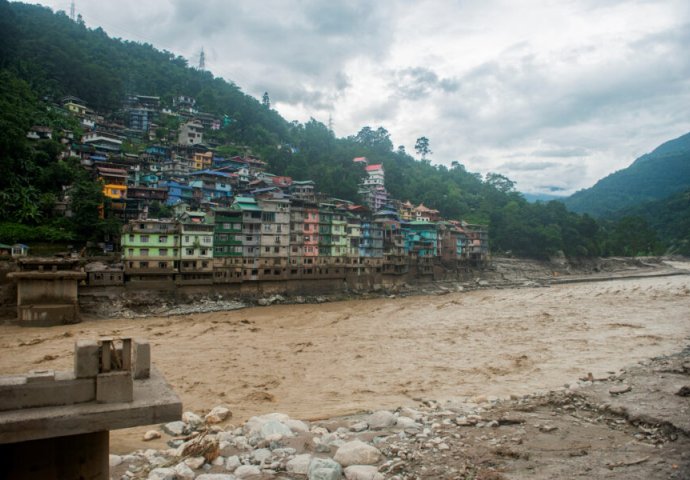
(45, 56)
(654, 176)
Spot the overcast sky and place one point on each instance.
(555, 94)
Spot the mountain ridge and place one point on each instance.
(653, 176)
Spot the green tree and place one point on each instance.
(422, 148)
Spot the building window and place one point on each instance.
(144, 264)
(162, 264)
(190, 251)
(203, 251)
(163, 252)
(144, 252)
(206, 239)
(131, 251)
(186, 238)
(144, 239)
(267, 249)
(131, 238)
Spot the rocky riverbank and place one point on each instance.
(500, 272)
(634, 424)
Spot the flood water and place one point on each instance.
(316, 361)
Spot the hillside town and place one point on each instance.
(193, 216)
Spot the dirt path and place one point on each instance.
(316, 361)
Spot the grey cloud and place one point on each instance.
(528, 166)
(562, 152)
(419, 82)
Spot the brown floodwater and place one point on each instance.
(316, 361)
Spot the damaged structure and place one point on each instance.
(55, 425)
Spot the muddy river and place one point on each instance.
(316, 361)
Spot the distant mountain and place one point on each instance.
(541, 197)
(654, 176)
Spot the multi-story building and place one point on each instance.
(275, 228)
(227, 248)
(303, 190)
(191, 133)
(325, 230)
(251, 226)
(420, 239)
(340, 244)
(150, 250)
(212, 186)
(372, 188)
(227, 241)
(196, 250)
(354, 235)
(202, 160)
(311, 230)
(297, 213)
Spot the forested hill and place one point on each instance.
(653, 176)
(45, 56)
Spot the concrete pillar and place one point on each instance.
(74, 457)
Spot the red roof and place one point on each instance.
(371, 168)
(360, 159)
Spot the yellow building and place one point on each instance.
(203, 161)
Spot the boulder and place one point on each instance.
(218, 414)
(114, 460)
(192, 419)
(324, 469)
(162, 474)
(246, 471)
(183, 472)
(195, 462)
(152, 435)
(357, 452)
(381, 419)
(261, 455)
(362, 472)
(299, 465)
(232, 462)
(176, 429)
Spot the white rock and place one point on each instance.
(231, 463)
(162, 474)
(195, 462)
(274, 427)
(175, 428)
(299, 465)
(218, 414)
(192, 419)
(359, 426)
(381, 419)
(362, 472)
(406, 422)
(244, 471)
(254, 424)
(151, 435)
(218, 461)
(324, 469)
(296, 425)
(114, 460)
(357, 452)
(183, 471)
(261, 455)
(215, 476)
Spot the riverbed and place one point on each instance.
(318, 361)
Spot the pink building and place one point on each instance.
(311, 232)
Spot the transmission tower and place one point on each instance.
(72, 11)
(202, 60)
(330, 122)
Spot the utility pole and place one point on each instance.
(202, 60)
